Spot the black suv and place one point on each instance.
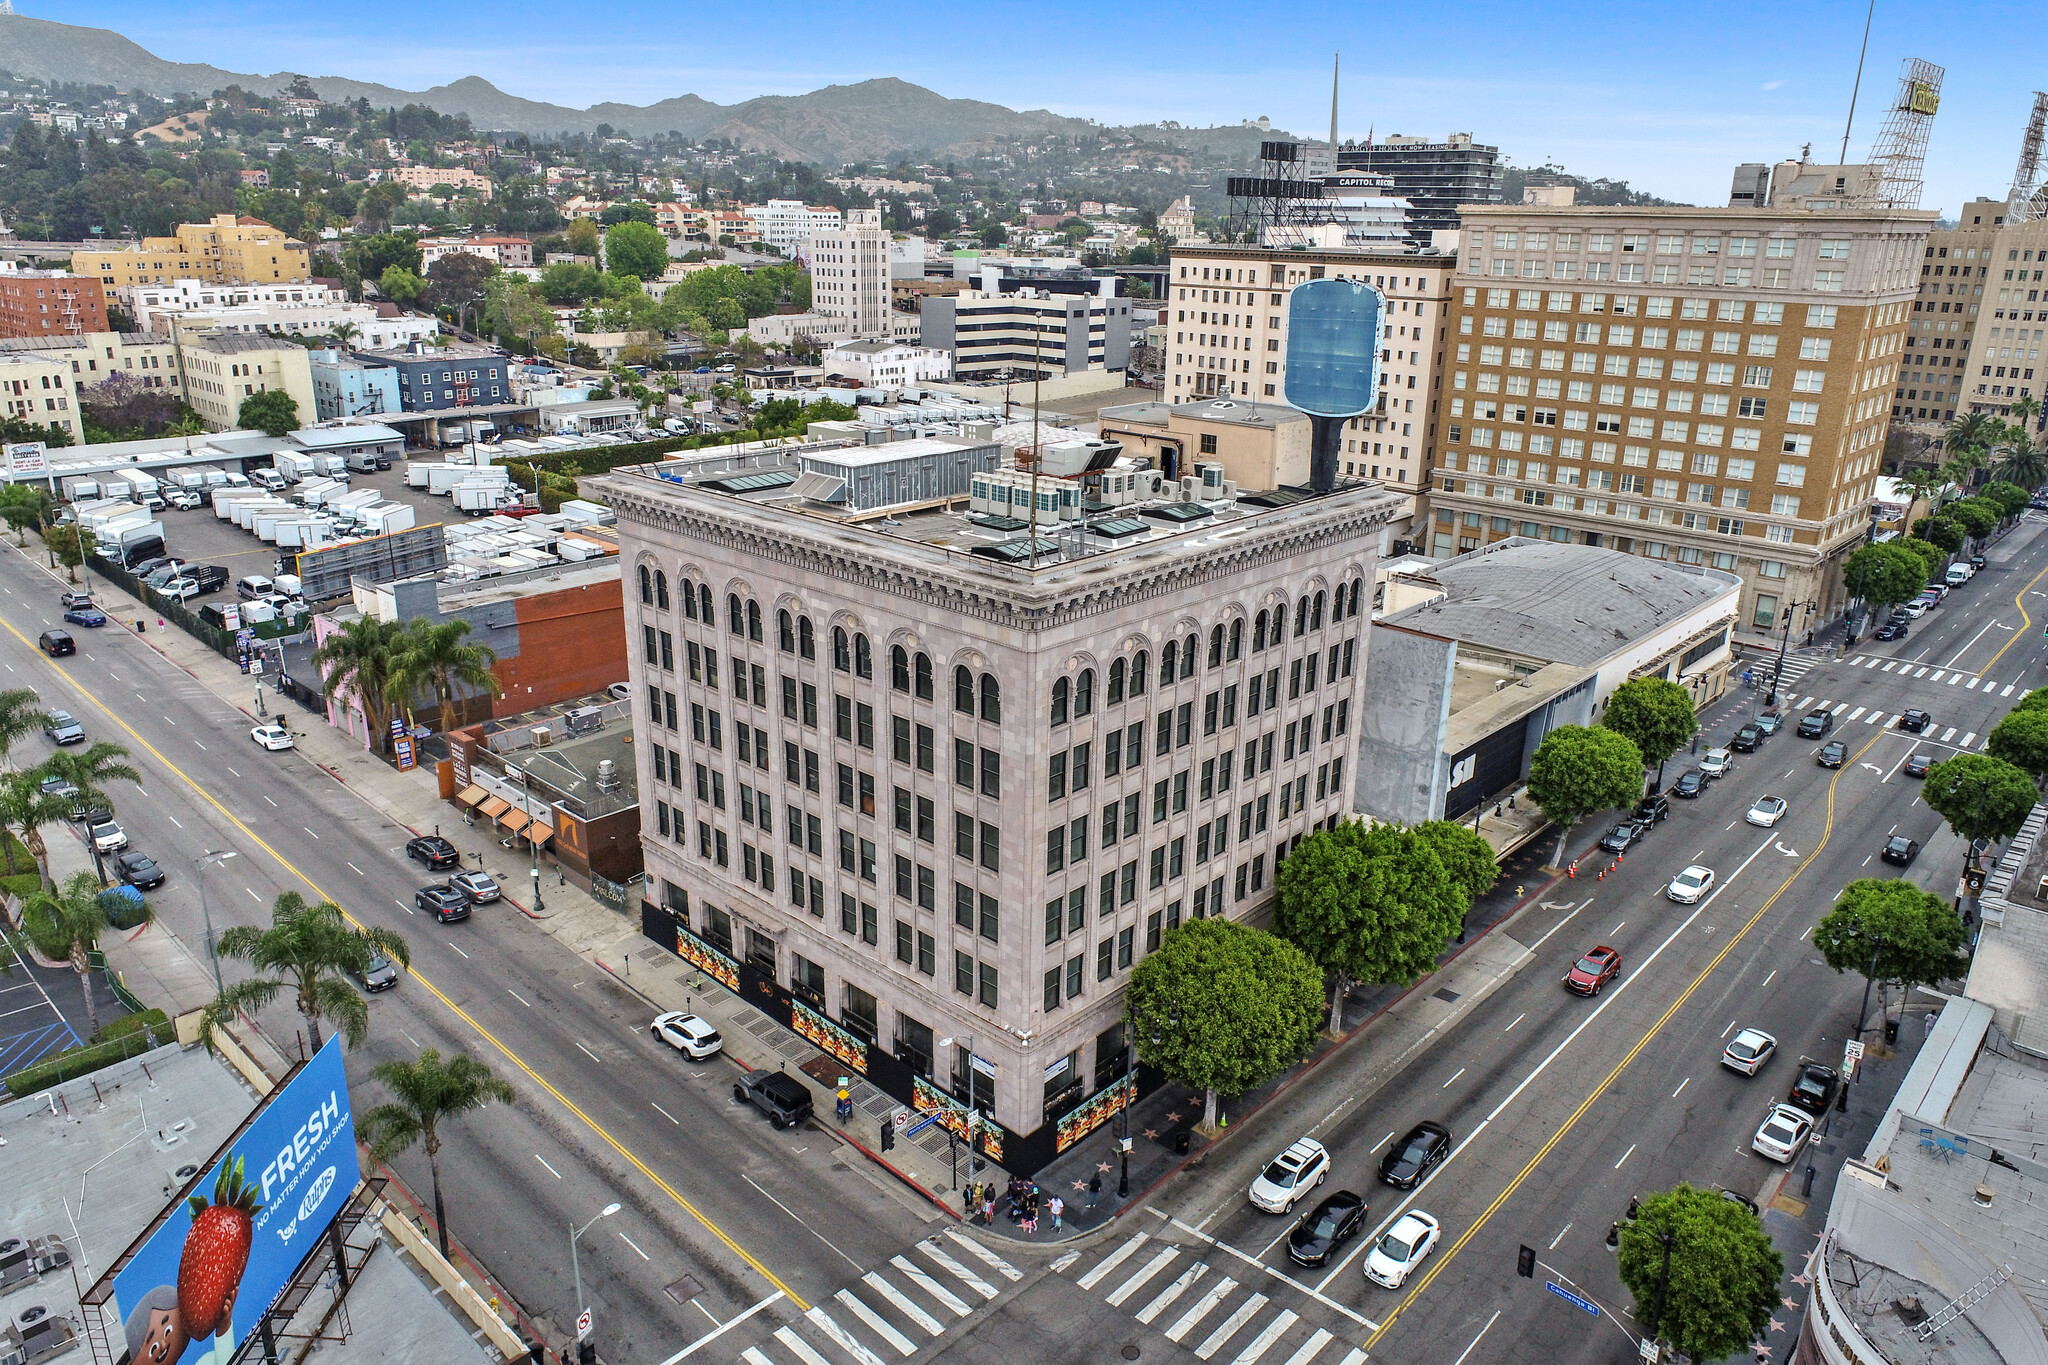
(444, 903)
(433, 852)
(1916, 721)
(1746, 740)
(1815, 1088)
(784, 1099)
(1653, 808)
(1814, 724)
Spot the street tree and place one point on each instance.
(1467, 857)
(1367, 902)
(2021, 739)
(1885, 574)
(21, 715)
(2034, 700)
(636, 249)
(2024, 465)
(1980, 796)
(433, 658)
(401, 285)
(23, 505)
(1887, 929)
(76, 914)
(273, 412)
(1702, 1271)
(1978, 517)
(71, 544)
(1930, 556)
(357, 661)
(1656, 714)
(1578, 770)
(307, 948)
(24, 809)
(1221, 1007)
(2010, 498)
(1944, 532)
(427, 1093)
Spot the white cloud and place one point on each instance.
(1772, 85)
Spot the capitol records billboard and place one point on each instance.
(213, 1267)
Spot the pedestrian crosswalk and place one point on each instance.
(1216, 1311)
(1879, 716)
(1950, 677)
(893, 1311)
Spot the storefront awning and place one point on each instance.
(514, 821)
(540, 832)
(494, 807)
(470, 795)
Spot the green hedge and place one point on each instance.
(155, 1020)
(41, 932)
(80, 1061)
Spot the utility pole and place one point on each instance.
(1663, 1284)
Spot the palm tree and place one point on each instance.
(345, 334)
(78, 916)
(357, 659)
(2025, 465)
(24, 809)
(2024, 410)
(307, 947)
(427, 1092)
(1970, 431)
(432, 658)
(21, 714)
(91, 768)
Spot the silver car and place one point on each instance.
(478, 886)
(379, 975)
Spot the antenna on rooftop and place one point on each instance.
(1900, 153)
(1857, 88)
(2023, 203)
(1334, 56)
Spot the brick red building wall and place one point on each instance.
(37, 305)
(571, 643)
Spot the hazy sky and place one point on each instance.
(1668, 97)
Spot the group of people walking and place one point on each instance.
(1025, 1203)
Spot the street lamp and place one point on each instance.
(526, 776)
(973, 1128)
(1785, 644)
(576, 1266)
(216, 856)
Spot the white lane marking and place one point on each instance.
(1772, 977)
(1874, 717)
(1171, 1292)
(1920, 673)
(517, 996)
(1475, 1341)
(451, 945)
(1143, 1275)
(1965, 741)
(273, 804)
(253, 896)
(1560, 1236)
(357, 870)
(1625, 1155)
(544, 1161)
(174, 820)
(1381, 1143)
(636, 1246)
(1112, 1261)
(1730, 1029)
(714, 1335)
(584, 1050)
(1525, 1014)
(1228, 1328)
(665, 1114)
(904, 1345)
(309, 830)
(202, 747)
(993, 1261)
(1951, 734)
(1454, 1076)
(952, 1301)
(1681, 1086)
(2006, 691)
(1954, 678)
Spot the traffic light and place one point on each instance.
(888, 1136)
(1525, 1263)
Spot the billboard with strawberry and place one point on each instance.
(206, 1276)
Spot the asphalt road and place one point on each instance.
(1565, 1107)
(604, 1113)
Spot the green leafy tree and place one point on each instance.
(359, 661)
(1943, 531)
(583, 237)
(456, 283)
(1221, 1007)
(1370, 903)
(401, 285)
(2010, 498)
(433, 658)
(1930, 556)
(1722, 1285)
(308, 948)
(1887, 929)
(1656, 714)
(76, 914)
(21, 715)
(24, 809)
(2021, 739)
(1980, 795)
(2035, 700)
(1967, 433)
(24, 505)
(636, 249)
(1577, 770)
(1885, 574)
(2025, 464)
(994, 235)
(272, 412)
(1977, 516)
(70, 543)
(375, 254)
(426, 1093)
(1467, 857)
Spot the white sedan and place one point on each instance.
(1401, 1248)
(1767, 811)
(1748, 1051)
(273, 735)
(1688, 886)
(1783, 1132)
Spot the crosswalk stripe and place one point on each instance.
(904, 1345)
(1890, 666)
(1173, 1291)
(1112, 1261)
(1974, 682)
(800, 1348)
(1854, 714)
(931, 1286)
(987, 1257)
(1228, 1328)
(958, 1271)
(1259, 1344)
(1920, 673)
(1841, 708)
(903, 1304)
(846, 1341)
(1966, 740)
(1893, 721)
(1874, 717)
(1356, 1357)
(752, 1355)
(2005, 691)
(1310, 1348)
(1801, 706)
(1137, 1281)
(1201, 1309)
(1954, 678)
(1874, 662)
(1950, 735)
(1937, 675)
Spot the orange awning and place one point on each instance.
(470, 795)
(494, 807)
(541, 832)
(514, 821)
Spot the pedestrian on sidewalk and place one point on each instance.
(988, 1206)
(1031, 1225)
(1094, 1188)
(1055, 1207)
(970, 1200)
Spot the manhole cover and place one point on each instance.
(683, 1290)
(1131, 1352)
(1447, 995)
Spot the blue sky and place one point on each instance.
(1651, 93)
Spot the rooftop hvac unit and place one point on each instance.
(543, 735)
(1211, 475)
(585, 720)
(607, 776)
(175, 1178)
(1190, 488)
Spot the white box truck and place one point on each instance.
(79, 489)
(419, 472)
(333, 466)
(309, 493)
(224, 499)
(443, 478)
(294, 466)
(479, 498)
(385, 518)
(245, 511)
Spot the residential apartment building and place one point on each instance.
(790, 225)
(850, 275)
(457, 375)
(1028, 332)
(931, 807)
(95, 357)
(1226, 336)
(346, 386)
(224, 250)
(421, 179)
(874, 363)
(50, 303)
(1718, 395)
(220, 369)
(1974, 343)
(320, 314)
(39, 388)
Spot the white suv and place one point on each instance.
(1290, 1175)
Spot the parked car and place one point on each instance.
(1977, 562)
(1770, 722)
(1833, 754)
(1901, 850)
(1814, 1088)
(784, 1099)
(378, 974)
(62, 729)
(74, 598)
(1290, 1175)
(56, 643)
(137, 869)
(1894, 629)
(1620, 838)
(89, 811)
(445, 903)
(1748, 1050)
(1653, 808)
(1416, 1155)
(479, 886)
(1918, 764)
(58, 786)
(89, 617)
(1326, 1227)
(108, 837)
(619, 691)
(1717, 762)
(1401, 1248)
(1689, 784)
(1746, 740)
(433, 852)
(272, 735)
(210, 578)
(1782, 1133)
(1815, 724)
(1598, 967)
(687, 1034)
(1915, 720)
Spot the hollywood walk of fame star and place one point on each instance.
(1079, 1185)
(1789, 1304)
(1151, 1132)
(1102, 1165)
(1173, 1118)
(1804, 1280)
(1777, 1326)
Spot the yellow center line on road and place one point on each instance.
(2018, 600)
(1608, 1081)
(432, 989)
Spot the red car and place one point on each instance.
(1598, 967)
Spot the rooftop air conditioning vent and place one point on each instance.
(607, 776)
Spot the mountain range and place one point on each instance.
(869, 121)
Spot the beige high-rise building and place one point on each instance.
(850, 275)
(1706, 386)
(221, 369)
(1226, 336)
(224, 250)
(1979, 325)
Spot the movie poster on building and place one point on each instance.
(204, 1280)
(829, 1036)
(1092, 1113)
(929, 1099)
(707, 959)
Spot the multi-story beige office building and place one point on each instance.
(1978, 327)
(906, 786)
(850, 275)
(1707, 386)
(223, 250)
(220, 369)
(1226, 336)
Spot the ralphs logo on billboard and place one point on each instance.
(205, 1278)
